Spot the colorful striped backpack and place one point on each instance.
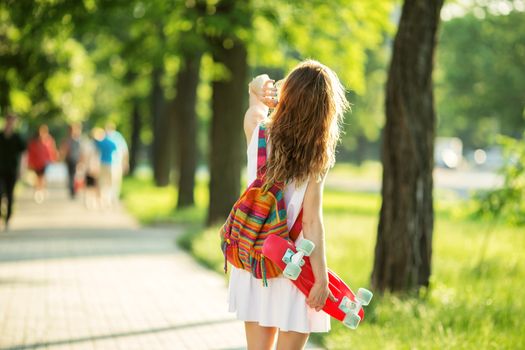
(258, 213)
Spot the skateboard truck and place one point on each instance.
(351, 307)
(295, 260)
(290, 256)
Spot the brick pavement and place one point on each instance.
(77, 279)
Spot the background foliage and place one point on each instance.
(91, 60)
(99, 60)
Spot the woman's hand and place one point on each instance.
(264, 89)
(318, 295)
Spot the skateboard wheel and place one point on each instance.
(306, 246)
(364, 296)
(344, 305)
(351, 320)
(287, 258)
(292, 271)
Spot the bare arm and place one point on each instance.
(313, 230)
(262, 97)
(257, 112)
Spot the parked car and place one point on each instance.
(448, 152)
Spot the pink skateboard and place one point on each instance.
(295, 264)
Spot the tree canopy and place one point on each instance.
(93, 60)
(481, 65)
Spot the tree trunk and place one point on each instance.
(185, 101)
(360, 149)
(226, 149)
(173, 143)
(161, 132)
(4, 96)
(135, 145)
(404, 240)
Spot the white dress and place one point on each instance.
(280, 304)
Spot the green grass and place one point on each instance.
(369, 170)
(156, 205)
(468, 306)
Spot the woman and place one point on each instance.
(303, 131)
(41, 151)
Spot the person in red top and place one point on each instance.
(41, 151)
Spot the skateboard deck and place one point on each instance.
(275, 248)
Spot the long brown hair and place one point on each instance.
(306, 124)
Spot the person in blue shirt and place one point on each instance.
(122, 155)
(107, 149)
(114, 162)
(121, 158)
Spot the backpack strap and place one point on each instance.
(297, 227)
(261, 170)
(261, 151)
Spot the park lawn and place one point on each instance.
(371, 170)
(469, 306)
(156, 205)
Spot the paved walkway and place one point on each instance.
(77, 279)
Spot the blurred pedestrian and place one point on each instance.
(11, 147)
(70, 152)
(41, 152)
(107, 149)
(121, 161)
(89, 165)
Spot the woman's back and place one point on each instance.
(293, 196)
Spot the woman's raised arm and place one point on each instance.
(262, 97)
